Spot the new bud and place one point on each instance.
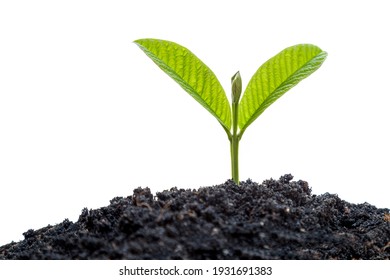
(236, 87)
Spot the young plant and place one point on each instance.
(271, 81)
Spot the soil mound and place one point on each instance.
(278, 219)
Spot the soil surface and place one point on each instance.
(273, 220)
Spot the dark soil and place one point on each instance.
(273, 220)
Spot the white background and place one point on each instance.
(86, 116)
(281, 270)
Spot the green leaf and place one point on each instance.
(191, 74)
(275, 77)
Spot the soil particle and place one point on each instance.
(278, 219)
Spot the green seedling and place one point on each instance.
(271, 81)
